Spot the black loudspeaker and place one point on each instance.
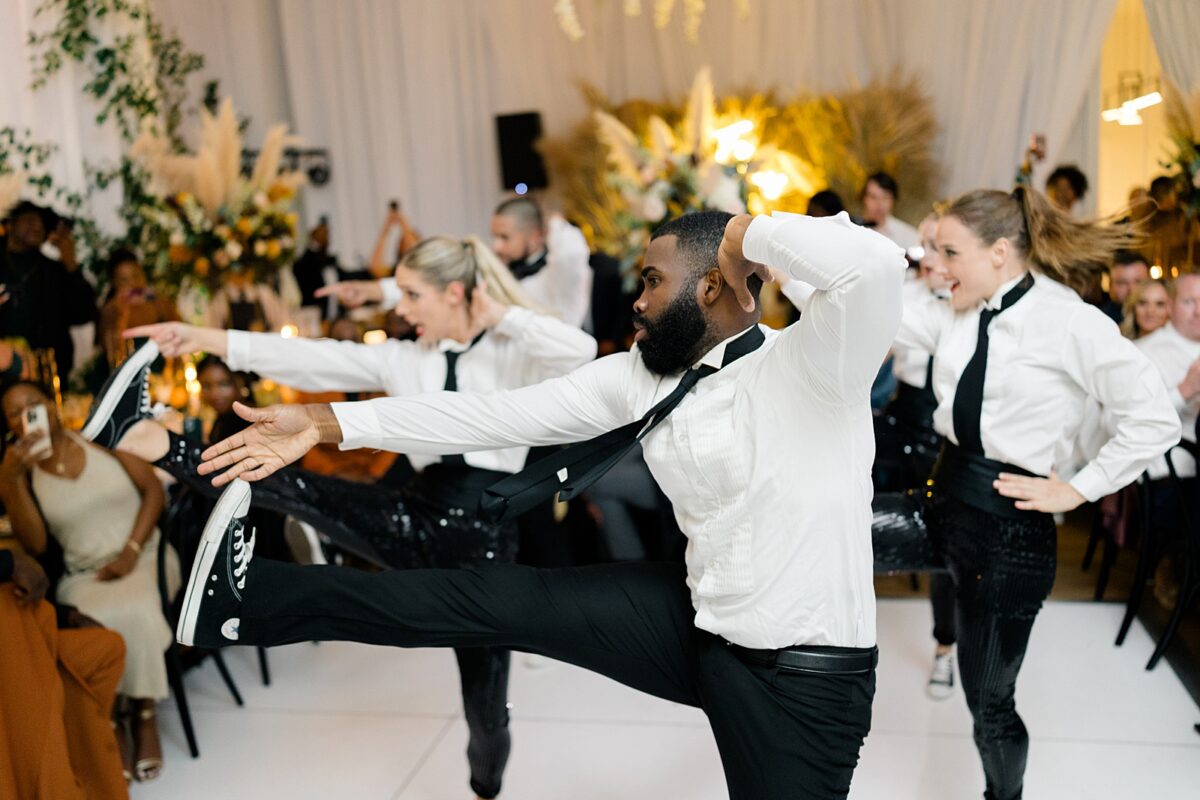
(520, 163)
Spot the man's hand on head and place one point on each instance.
(736, 269)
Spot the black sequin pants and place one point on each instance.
(1002, 571)
(399, 529)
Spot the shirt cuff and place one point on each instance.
(514, 321)
(391, 292)
(6, 566)
(1091, 484)
(756, 244)
(237, 350)
(360, 426)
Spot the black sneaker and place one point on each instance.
(212, 604)
(124, 401)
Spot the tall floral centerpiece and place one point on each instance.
(206, 221)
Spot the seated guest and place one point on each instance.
(825, 203)
(879, 195)
(1128, 269)
(43, 297)
(130, 302)
(316, 267)
(1175, 350)
(344, 329)
(398, 328)
(10, 363)
(1066, 186)
(57, 688)
(1147, 308)
(101, 507)
(241, 304)
(220, 388)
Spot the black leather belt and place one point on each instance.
(812, 658)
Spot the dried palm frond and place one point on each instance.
(700, 113)
(1183, 112)
(622, 143)
(662, 138)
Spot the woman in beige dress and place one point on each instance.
(102, 507)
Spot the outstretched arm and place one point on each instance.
(585, 403)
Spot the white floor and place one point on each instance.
(350, 721)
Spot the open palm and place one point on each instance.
(279, 436)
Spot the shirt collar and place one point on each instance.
(716, 357)
(996, 299)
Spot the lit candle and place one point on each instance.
(192, 385)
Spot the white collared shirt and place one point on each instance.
(900, 232)
(1173, 353)
(1048, 356)
(562, 287)
(523, 349)
(767, 463)
(911, 365)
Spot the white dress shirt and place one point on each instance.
(1173, 353)
(767, 462)
(910, 365)
(562, 287)
(900, 232)
(523, 349)
(1048, 355)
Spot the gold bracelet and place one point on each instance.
(134, 546)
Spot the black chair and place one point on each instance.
(175, 532)
(1150, 551)
(1100, 533)
(1189, 587)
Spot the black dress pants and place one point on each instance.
(782, 734)
(1002, 568)
(398, 529)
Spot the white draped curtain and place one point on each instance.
(1175, 27)
(404, 93)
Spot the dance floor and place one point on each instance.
(350, 721)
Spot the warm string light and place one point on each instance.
(289, 331)
(375, 337)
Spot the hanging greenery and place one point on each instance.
(137, 76)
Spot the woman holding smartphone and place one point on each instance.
(102, 508)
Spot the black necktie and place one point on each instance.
(523, 268)
(968, 397)
(452, 386)
(571, 470)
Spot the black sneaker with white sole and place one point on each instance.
(124, 401)
(212, 603)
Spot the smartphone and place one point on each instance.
(36, 419)
(1037, 145)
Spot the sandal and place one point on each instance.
(124, 746)
(146, 769)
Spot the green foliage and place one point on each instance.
(140, 75)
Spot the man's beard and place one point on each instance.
(671, 342)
